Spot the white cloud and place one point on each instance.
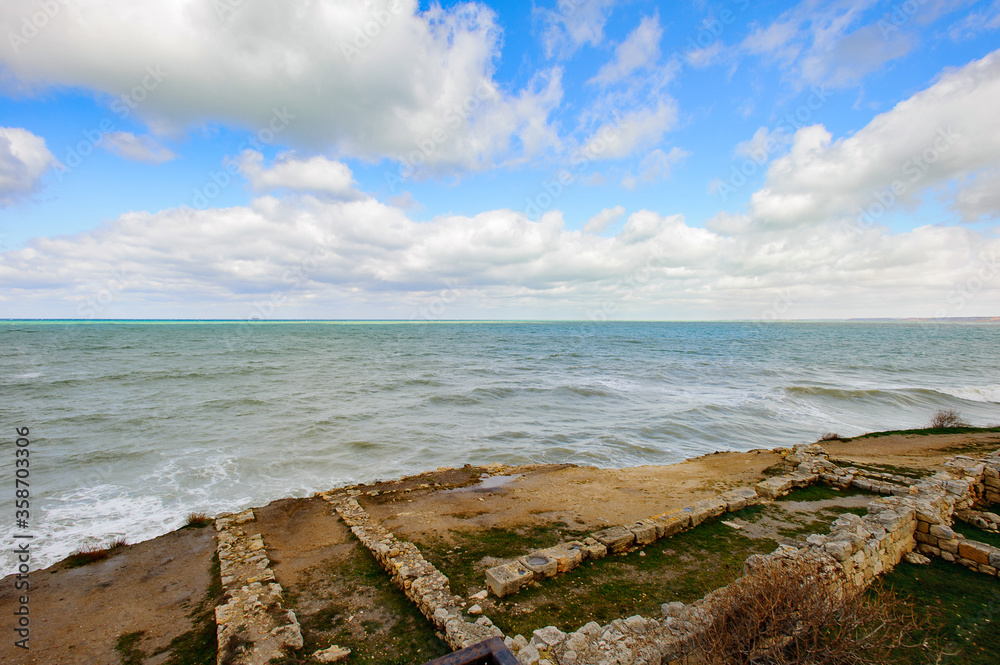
(655, 167)
(603, 219)
(764, 144)
(703, 57)
(976, 22)
(24, 159)
(301, 256)
(635, 130)
(368, 80)
(640, 50)
(945, 132)
(136, 148)
(574, 23)
(315, 174)
(822, 43)
(981, 197)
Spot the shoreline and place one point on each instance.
(152, 586)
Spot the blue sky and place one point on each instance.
(571, 160)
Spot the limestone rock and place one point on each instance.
(334, 654)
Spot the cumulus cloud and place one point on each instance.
(604, 219)
(136, 148)
(368, 80)
(305, 256)
(24, 159)
(635, 130)
(315, 174)
(764, 144)
(945, 132)
(640, 50)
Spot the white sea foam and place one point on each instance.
(990, 394)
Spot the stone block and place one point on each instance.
(567, 555)
(616, 538)
(644, 532)
(839, 550)
(973, 551)
(670, 524)
(925, 538)
(508, 578)
(540, 564)
(549, 636)
(989, 570)
(948, 546)
(942, 531)
(593, 548)
(774, 487)
(739, 499)
(994, 558)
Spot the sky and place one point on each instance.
(570, 159)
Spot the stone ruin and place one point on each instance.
(915, 516)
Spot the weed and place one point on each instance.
(197, 521)
(93, 553)
(947, 419)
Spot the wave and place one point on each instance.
(987, 394)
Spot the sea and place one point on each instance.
(134, 425)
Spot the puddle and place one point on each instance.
(487, 484)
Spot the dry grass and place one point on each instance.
(93, 553)
(197, 521)
(947, 419)
(787, 612)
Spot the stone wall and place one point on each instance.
(422, 583)
(857, 550)
(252, 625)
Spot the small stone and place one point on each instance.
(480, 596)
(334, 654)
(475, 609)
(528, 655)
(916, 559)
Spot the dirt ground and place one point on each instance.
(79, 613)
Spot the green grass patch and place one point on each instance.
(961, 608)
(386, 628)
(199, 646)
(927, 431)
(684, 567)
(821, 492)
(128, 649)
(975, 533)
(460, 555)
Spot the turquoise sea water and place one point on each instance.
(134, 425)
